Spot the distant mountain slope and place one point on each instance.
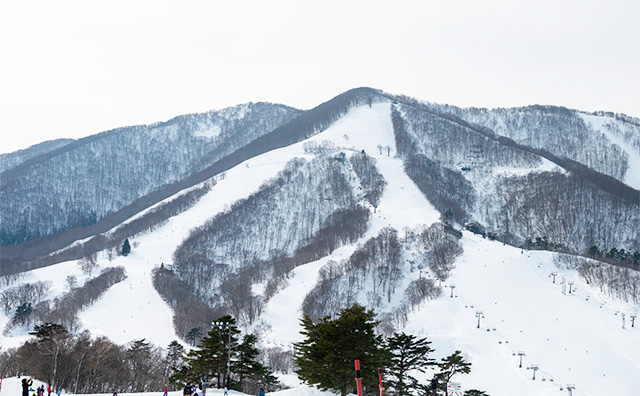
(459, 158)
(11, 160)
(84, 181)
(519, 193)
(603, 143)
(299, 128)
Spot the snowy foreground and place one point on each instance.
(575, 338)
(12, 387)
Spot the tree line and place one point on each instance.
(30, 307)
(376, 271)
(83, 364)
(225, 357)
(288, 222)
(325, 358)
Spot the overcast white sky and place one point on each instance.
(75, 68)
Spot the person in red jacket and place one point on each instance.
(165, 390)
(49, 390)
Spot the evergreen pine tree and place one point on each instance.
(450, 366)
(175, 356)
(193, 335)
(207, 360)
(325, 359)
(247, 369)
(22, 313)
(407, 353)
(126, 248)
(216, 354)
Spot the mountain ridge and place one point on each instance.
(300, 127)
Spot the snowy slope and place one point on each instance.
(612, 130)
(575, 338)
(572, 339)
(11, 387)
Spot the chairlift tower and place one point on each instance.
(479, 315)
(521, 354)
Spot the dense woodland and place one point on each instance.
(83, 181)
(26, 301)
(384, 268)
(564, 132)
(288, 222)
(457, 166)
(81, 363)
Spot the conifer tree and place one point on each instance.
(217, 350)
(126, 248)
(407, 353)
(247, 369)
(325, 359)
(450, 366)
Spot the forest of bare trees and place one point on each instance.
(30, 308)
(378, 270)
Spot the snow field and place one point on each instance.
(572, 340)
(600, 124)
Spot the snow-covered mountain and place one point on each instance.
(81, 182)
(364, 199)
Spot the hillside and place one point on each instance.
(265, 216)
(115, 168)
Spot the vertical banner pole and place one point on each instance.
(358, 378)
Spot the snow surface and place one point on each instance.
(12, 387)
(208, 131)
(600, 124)
(575, 339)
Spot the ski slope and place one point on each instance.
(604, 125)
(574, 339)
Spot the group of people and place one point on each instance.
(194, 390)
(201, 389)
(26, 387)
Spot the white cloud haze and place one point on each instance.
(75, 68)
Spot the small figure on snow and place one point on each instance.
(226, 391)
(26, 383)
(261, 393)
